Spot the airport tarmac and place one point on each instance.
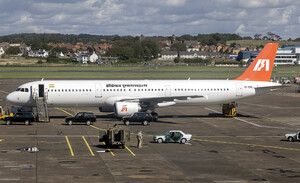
(247, 148)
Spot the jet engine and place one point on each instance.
(126, 108)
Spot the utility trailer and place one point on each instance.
(114, 137)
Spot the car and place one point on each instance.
(293, 136)
(143, 117)
(25, 117)
(84, 117)
(173, 136)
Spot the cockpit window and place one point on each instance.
(23, 89)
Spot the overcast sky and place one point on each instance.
(151, 17)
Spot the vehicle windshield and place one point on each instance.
(79, 114)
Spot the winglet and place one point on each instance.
(261, 67)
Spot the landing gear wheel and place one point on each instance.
(88, 123)
(145, 122)
(70, 122)
(155, 116)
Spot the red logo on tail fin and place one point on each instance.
(261, 67)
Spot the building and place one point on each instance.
(38, 53)
(2, 52)
(85, 57)
(287, 55)
(169, 55)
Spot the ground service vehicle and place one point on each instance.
(114, 137)
(143, 117)
(25, 117)
(4, 114)
(83, 117)
(173, 136)
(293, 136)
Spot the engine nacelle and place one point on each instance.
(106, 109)
(126, 108)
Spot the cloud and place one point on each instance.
(151, 17)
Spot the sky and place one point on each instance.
(151, 17)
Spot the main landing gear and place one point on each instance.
(229, 110)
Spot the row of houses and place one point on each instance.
(171, 55)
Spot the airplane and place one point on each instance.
(125, 97)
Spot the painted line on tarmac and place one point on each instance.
(70, 147)
(45, 136)
(97, 128)
(109, 150)
(244, 144)
(1, 140)
(129, 150)
(248, 122)
(4, 92)
(60, 109)
(88, 146)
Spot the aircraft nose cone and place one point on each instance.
(9, 98)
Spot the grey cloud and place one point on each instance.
(151, 17)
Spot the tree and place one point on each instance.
(233, 44)
(13, 51)
(178, 46)
(257, 36)
(91, 50)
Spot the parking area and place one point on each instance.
(248, 148)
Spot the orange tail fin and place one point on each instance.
(261, 67)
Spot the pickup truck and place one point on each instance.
(293, 136)
(25, 117)
(173, 136)
(85, 117)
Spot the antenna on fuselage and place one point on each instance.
(42, 79)
(189, 78)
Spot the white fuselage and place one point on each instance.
(101, 93)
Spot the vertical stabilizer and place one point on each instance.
(261, 68)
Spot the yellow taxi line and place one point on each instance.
(109, 150)
(129, 150)
(60, 109)
(88, 146)
(1, 140)
(244, 144)
(97, 128)
(70, 147)
(4, 92)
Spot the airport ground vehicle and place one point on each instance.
(293, 136)
(83, 117)
(25, 117)
(4, 113)
(229, 110)
(143, 117)
(114, 137)
(173, 136)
